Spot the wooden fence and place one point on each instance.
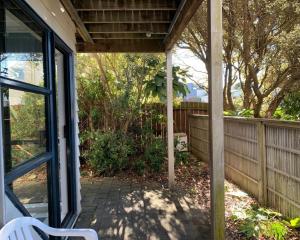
(261, 156)
(180, 114)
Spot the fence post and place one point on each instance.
(189, 132)
(262, 163)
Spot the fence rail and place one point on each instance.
(261, 156)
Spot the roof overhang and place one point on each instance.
(129, 25)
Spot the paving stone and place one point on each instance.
(129, 210)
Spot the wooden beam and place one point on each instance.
(117, 5)
(170, 122)
(127, 16)
(96, 36)
(184, 13)
(216, 121)
(79, 24)
(111, 45)
(127, 28)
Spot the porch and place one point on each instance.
(128, 209)
(59, 29)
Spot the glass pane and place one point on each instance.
(31, 190)
(21, 49)
(24, 126)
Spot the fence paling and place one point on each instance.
(180, 115)
(261, 156)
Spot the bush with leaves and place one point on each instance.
(155, 154)
(257, 222)
(139, 166)
(109, 152)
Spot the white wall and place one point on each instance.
(60, 22)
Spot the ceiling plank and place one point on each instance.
(126, 36)
(127, 16)
(75, 17)
(128, 28)
(183, 15)
(110, 5)
(145, 46)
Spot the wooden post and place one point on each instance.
(262, 163)
(170, 119)
(216, 124)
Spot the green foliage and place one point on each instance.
(157, 87)
(289, 109)
(276, 230)
(139, 166)
(155, 154)
(281, 114)
(295, 223)
(109, 152)
(242, 113)
(181, 157)
(261, 222)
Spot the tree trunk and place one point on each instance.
(257, 107)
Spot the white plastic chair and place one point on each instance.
(21, 229)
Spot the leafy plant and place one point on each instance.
(240, 113)
(261, 222)
(295, 223)
(109, 152)
(157, 87)
(139, 166)
(276, 230)
(155, 154)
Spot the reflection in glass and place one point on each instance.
(24, 126)
(31, 190)
(21, 50)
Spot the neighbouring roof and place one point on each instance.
(129, 25)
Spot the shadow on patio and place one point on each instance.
(119, 209)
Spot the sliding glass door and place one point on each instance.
(38, 143)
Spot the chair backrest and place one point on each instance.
(22, 229)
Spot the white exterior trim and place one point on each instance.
(77, 143)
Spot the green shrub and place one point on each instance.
(109, 152)
(295, 222)
(139, 166)
(155, 154)
(261, 222)
(276, 230)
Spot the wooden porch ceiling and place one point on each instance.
(129, 25)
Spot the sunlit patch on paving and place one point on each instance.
(126, 210)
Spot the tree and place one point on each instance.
(113, 87)
(157, 87)
(261, 50)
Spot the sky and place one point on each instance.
(187, 60)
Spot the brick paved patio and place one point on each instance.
(126, 210)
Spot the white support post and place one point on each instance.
(2, 192)
(216, 124)
(170, 119)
